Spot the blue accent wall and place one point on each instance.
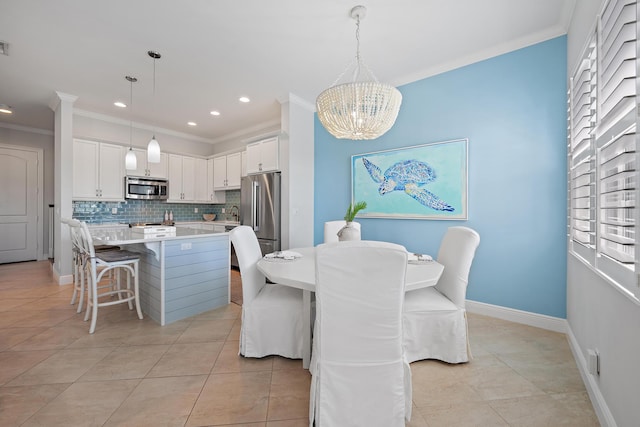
(512, 108)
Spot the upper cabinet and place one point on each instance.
(201, 187)
(227, 171)
(155, 170)
(98, 171)
(182, 178)
(213, 196)
(263, 156)
(243, 157)
(188, 180)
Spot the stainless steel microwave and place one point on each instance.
(144, 188)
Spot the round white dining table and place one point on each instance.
(301, 273)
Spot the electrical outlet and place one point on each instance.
(224, 210)
(185, 246)
(195, 210)
(114, 211)
(593, 362)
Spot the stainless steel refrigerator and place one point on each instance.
(260, 208)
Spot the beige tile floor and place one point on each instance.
(135, 373)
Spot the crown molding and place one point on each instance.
(26, 129)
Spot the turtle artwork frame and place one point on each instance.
(427, 181)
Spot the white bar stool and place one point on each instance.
(99, 263)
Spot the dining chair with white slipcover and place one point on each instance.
(360, 375)
(271, 313)
(435, 319)
(331, 229)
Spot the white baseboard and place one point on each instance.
(597, 400)
(62, 280)
(542, 321)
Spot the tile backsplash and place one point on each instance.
(149, 210)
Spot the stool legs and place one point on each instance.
(136, 290)
(132, 295)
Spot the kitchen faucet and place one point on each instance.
(236, 214)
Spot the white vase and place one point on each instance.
(349, 232)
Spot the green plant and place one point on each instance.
(353, 210)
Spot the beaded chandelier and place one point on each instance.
(363, 108)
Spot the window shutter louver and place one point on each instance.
(616, 131)
(582, 105)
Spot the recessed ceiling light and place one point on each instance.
(5, 109)
(120, 104)
(244, 99)
(192, 123)
(215, 113)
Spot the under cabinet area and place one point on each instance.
(98, 171)
(227, 171)
(263, 156)
(144, 168)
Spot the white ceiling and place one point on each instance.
(214, 51)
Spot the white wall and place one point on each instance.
(40, 139)
(599, 316)
(297, 164)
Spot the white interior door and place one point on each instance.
(18, 205)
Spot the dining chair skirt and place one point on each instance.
(271, 313)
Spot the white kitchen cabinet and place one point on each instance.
(243, 157)
(182, 178)
(201, 188)
(213, 196)
(227, 171)
(263, 156)
(98, 171)
(155, 170)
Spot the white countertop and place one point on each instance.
(221, 222)
(119, 235)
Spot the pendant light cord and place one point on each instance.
(131, 114)
(154, 95)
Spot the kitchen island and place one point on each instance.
(183, 272)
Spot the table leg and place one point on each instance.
(306, 329)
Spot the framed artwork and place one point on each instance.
(426, 181)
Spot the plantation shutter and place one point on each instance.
(616, 140)
(582, 117)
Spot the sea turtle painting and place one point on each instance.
(408, 176)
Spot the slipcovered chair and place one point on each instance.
(360, 373)
(271, 313)
(331, 229)
(435, 319)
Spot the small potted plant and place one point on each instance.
(350, 231)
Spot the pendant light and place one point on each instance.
(130, 160)
(363, 108)
(153, 149)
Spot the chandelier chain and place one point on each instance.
(358, 39)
